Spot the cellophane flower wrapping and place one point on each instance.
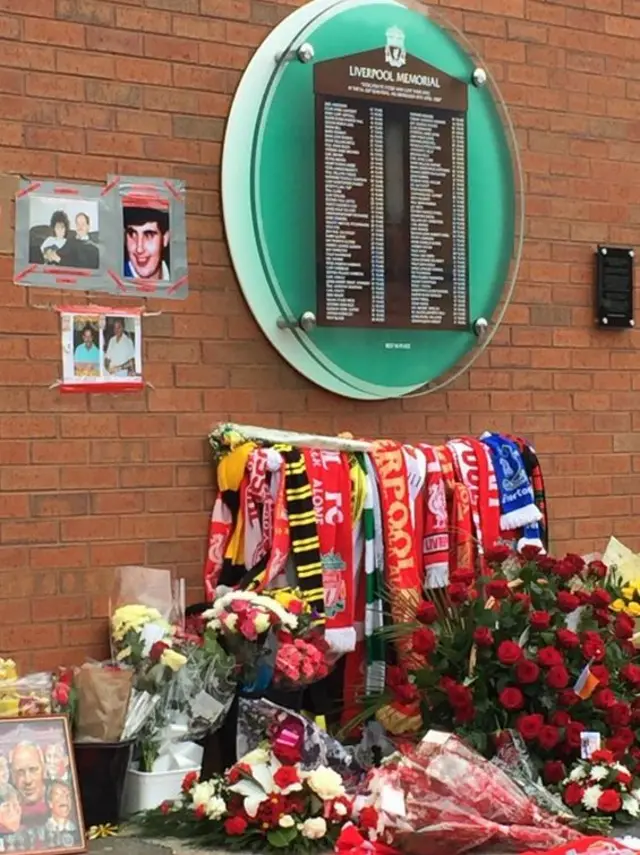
(261, 721)
(454, 801)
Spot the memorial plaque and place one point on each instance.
(614, 287)
(391, 192)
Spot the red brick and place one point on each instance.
(60, 609)
(86, 64)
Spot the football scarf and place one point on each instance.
(330, 480)
(403, 577)
(374, 583)
(534, 471)
(461, 543)
(435, 541)
(517, 504)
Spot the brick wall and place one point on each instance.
(89, 87)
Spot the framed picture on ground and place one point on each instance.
(40, 810)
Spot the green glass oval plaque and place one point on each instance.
(372, 197)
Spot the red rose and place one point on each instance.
(295, 607)
(583, 596)
(625, 736)
(609, 801)
(564, 569)
(547, 563)
(424, 641)
(553, 771)
(602, 617)
(549, 656)
(560, 718)
(511, 698)
(285, 753)
(61, 694)
(427, 613)
(573, 794)
(567, 602)
(573, 733)
(368, 818)
(235, 826)
(631, 673)
(483, 636)
(568, 698)
(523, 600)
(557, 677)
(498, 554)
(498, 589)
(597, 568)
(624, 626)
(529, 725)
(458, 593)
(200, 812)
(189, 780)
(540, 620)
(619, 715)
(530, 552)
(600, 598)
(509, 652)
(568, 639)
(460, 697)
(406, 693)
(593, 649)
(604, 699)
(157, 649)
(602, 756)
(624, 778)
(285, 776)
(601, 673)
(462, 576)
(527, 672)
(166, 806)
(576, 561)
(548, 737)
(396, 675)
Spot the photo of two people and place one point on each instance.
(64, 233)
(104, 347)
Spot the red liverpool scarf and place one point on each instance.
(435, 542)
(461, 543)
(330, 479)
(403, 574)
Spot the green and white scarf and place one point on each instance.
(374, 581)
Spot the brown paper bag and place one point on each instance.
(103, 699)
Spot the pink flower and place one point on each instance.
(239, 606)
(248, 628)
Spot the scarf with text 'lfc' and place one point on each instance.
(435, 541)
(224, 562)
(416, 464)
(461, 542)
(534, 471)
(330, 480)
(303, 531)
(517, 503)
(403, 574)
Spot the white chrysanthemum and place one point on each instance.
(202, 794)
(216, 807)
(578, 773)
(599, 773)
(631, 805)
(591, 797)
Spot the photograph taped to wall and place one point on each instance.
(101, 349)
(40, 808)
(152, 257)
(58, 236)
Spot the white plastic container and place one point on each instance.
(147, 790)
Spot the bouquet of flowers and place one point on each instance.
(300, 661)
(261, 804)
(536, 647)
(443, 797)
(602, 786)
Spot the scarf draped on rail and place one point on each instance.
(534, 471)
(435, 541)
(517, 501)
(461, 543)
(329, 475)
(403, 574)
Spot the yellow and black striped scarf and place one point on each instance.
(303, 530)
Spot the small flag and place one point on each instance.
(586, 682)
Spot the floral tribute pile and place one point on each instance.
(538, 645)
(601, 785)
(261, 803)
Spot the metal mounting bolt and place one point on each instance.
(305, 52)
(632, 254)
(632, 323)
(603, 251)
(605, 321)
(480, 327)
(479, 77)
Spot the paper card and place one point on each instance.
(590, 741)
(205, 706)
(392, 801)
(437, 737)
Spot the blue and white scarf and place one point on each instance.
(517, 502)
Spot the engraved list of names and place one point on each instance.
(391, 195)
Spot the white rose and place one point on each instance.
(286, 821)
(315, 828)
(630, 805)
(340, 809)
(256, 757)
(201, 794)
(325, 783)
(216, 807)
(231, 622)
(262, 623)
(591, 797)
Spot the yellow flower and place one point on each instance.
(8, 670)
(172, 659)
(628, 591)
(124, 653)
(633, 609)
(617, 605)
